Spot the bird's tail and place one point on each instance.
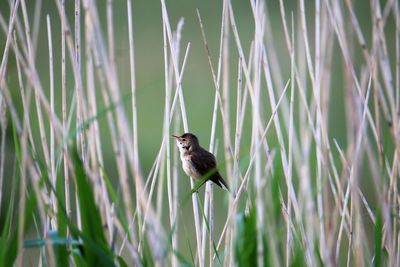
(218, 180)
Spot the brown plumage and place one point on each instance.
(197, 162)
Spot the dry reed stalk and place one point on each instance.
(96, 160)
(25, 161)
(13, 16)
(172, 198)
(247, 174)
(52, 144)
(236, 171)
(257, 9)
(184, 117)
(22, 188)
(208, 195)
(38, 90)
(64, 117)
(136, 163)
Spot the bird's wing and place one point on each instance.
(206, 165)
(204, 162)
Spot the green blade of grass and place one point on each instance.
(378, 239)
(115, 200)
(204, 217)
(94, 250)
(8, 237)
(97, 251)
(275, 188)
(298, 259)
(61, 249)
(121, 262)
(246, 243)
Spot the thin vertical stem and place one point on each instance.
(184, 118)
(208, 195)
(3, 126)
(64, 116)
(52, 158)
(79, 96)
(13, 16)
(136, 169)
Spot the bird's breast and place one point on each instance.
(188, 166)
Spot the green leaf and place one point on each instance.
(146, 256)
(61, 249)
(9, 235)
(8, 238)
(16, 145)
(378, 239)
(267, 256)
(115, 200)
(298, 253)
(121, 262)
(275, 189)
(11, 245)
(246, 241)
(30, 208)
(318, 254)
(95, 247)
(186, 237)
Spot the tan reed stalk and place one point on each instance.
(13, 16)
(38, 93)
(247, 174)
(52, 144)
(135, 167)
(208, 195)
(22, 188)
(166, 151)
(64, 117)
(96, 160)
(184, 117)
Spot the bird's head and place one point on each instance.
(186, 141)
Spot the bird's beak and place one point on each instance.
(175, 136)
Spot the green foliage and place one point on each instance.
(8, 239)
(318, 254)
(246, 240)
(267, 256)
(186, 235)
(121, 262)
(9, 234)
(146, 257)
(275, 188)
(183, 261)
(9, 231)
(378, 239)
(95, 249)
(61, 249)
(298, 259)
(116, 201)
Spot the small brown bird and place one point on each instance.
(198, 162)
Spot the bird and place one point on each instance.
(197, 162)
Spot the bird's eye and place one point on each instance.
(183, 139)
